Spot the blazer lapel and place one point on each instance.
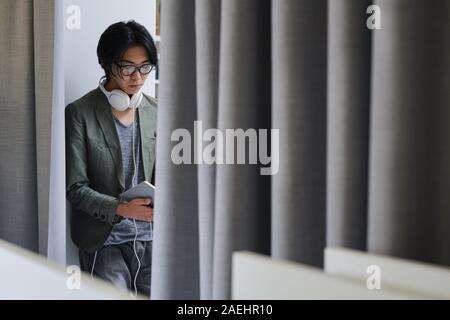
(106, 121)
(147, 122)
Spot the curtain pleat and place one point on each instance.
(242, 203)
(175, 275)
(207, 58)
(409, 211)
(299, 63)
(44, 26)
(349, 69)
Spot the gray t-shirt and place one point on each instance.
(125, 230)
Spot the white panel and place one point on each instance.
(26, 275)
(57, 203)
(256, 277)
(425, 279)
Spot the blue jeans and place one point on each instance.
(118, 265)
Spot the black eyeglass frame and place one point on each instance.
(135, 68)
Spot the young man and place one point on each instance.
(110, 147)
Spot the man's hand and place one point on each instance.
(136, 209)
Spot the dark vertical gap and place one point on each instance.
(33, 118)
(369, 79)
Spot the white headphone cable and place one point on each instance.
(93, 265)
(134, 220)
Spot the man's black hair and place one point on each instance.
(118, 38)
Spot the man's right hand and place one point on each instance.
(136, 209)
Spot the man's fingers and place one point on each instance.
(148, 216)
(142, 201)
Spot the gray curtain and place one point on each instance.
(26, 73)
(364, 135)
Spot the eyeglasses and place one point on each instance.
(128, 70)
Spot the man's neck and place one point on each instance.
(110, 86)
(126, 117)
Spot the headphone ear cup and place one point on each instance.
(119, 100)
(136, 100)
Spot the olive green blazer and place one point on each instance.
(94, 172)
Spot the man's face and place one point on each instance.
(134, 56)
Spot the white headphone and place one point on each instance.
(118, 99)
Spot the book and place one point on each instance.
(143, 190)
